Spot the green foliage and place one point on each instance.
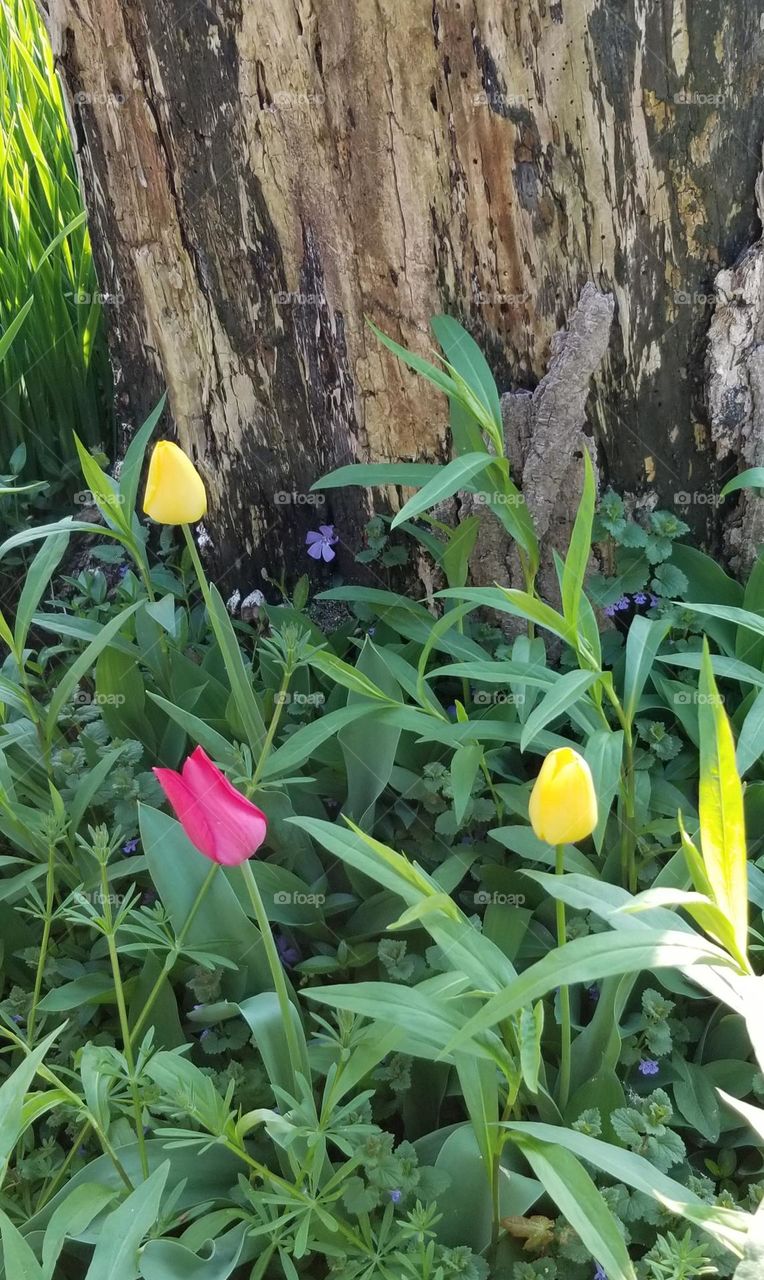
(389, 1099)
(55, 376)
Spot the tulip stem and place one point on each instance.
(274, 962)
(563, 1083)
(198, 567)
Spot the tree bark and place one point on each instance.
(262, 175)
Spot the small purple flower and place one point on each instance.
(593, 993)
(289, 954)
(320, 542)
(640, 598)
(124, 569)
(130, 846)
(622, 604)
(599, 1274)
(451, 711)
(648, 1067)
(609, 610)
(395, 1196)
(654, 602)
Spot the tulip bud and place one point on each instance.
(223, 824)
(175, 492)
(563, 805)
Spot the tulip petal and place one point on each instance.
(238, 827)
(189, 811)
(175, 492)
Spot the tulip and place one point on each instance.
(175, 492)
(222, 823)
(563, 805)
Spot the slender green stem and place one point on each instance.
(50, 895)
(274, 962)
(196, 561)
(628, 809)
(563, 1084)
(173, 955)
(272, 727)
(123, 1019)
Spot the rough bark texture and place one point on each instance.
(735, 367)
(261, 175)
(545, 438)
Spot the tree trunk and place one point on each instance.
(262, 174)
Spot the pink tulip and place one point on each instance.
(223, 824)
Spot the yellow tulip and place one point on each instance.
(175, 492)
(563, 805)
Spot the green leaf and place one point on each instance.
(117, 1255)
(9, 333)
(36, 581)
(91, 988)
(130, 473)
(619, 1164)
(750, 743)
(349, 677)
(104, 490)
(171, 1260)
(19, 1261)
(571, 1188)
(456, 475)
(370, 475)
(478, 1081)
(579, 550)
(586, 960)
(455, 558)
(239, 676)
(696, 1098)
(300, 746)
(568, 689)
(530, 1032)
(465, 763)
(81, 666)
(603, 754)
(519, 603)
(643, 642)
(70, 1219)
(753, 478)
(218, 747)
(722, 818)
(13, 1093)
(429, 1021)
(465, 356)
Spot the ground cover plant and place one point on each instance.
(425, 947)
